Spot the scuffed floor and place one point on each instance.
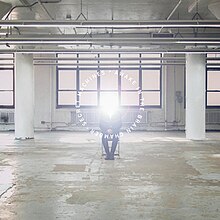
(61, 175)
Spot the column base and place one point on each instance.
(23, 138)
(201, 138)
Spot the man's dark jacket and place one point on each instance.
(113, 122)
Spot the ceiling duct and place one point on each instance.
(162, 35)
(215, 9)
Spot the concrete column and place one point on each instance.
(24, 96)
(195, 96)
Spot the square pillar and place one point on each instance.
(24, 96)
(195, 96)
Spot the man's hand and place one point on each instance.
(109, 131)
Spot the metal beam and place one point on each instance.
(197, 50)
(108, 64)
(113, 24)
(108, 40)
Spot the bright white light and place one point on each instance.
(109, 103)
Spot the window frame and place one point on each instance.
(207, 91)
(58, 90)
(13, 89)
(153, 90)
(119, 68)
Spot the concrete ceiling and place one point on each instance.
(113, 9)
(99, 10)
(4, 8)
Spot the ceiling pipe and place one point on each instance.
(97, 39)
(104, 41)
(113, 23)
(113, 50)
(110, 64)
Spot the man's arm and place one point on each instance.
(117, 123)
(103, 124)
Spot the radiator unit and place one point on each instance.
(92, 116)
(131, 115)
(213, 117)
(6, 117)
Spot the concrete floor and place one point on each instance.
(61, 175)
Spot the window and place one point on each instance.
(109, 80)
(66, 60)
(88, 95)
(151, 87)
(6, 88)
(109, 60)
(130, 60)
(213, 59)
(6, 81)
(213, 87)
(129, 87)
(67, 91)
(109, 85)
(88, 59)
(87, 81)
(213, 80)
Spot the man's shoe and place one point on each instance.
(111, 157)
(107, 157)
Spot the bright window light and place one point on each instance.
(109, 103)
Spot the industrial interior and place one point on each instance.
(157, 62)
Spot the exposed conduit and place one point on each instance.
(113, 50)
(68, 40)
(113, 24)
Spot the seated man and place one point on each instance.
(110, 125)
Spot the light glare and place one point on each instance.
(109, 103)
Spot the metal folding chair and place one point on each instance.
(117, 150)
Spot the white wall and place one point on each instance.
(43, 94)
(174, 99)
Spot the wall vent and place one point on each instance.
(6, 117)
(213, 117)
(90, 116)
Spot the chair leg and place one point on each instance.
(115, 147)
